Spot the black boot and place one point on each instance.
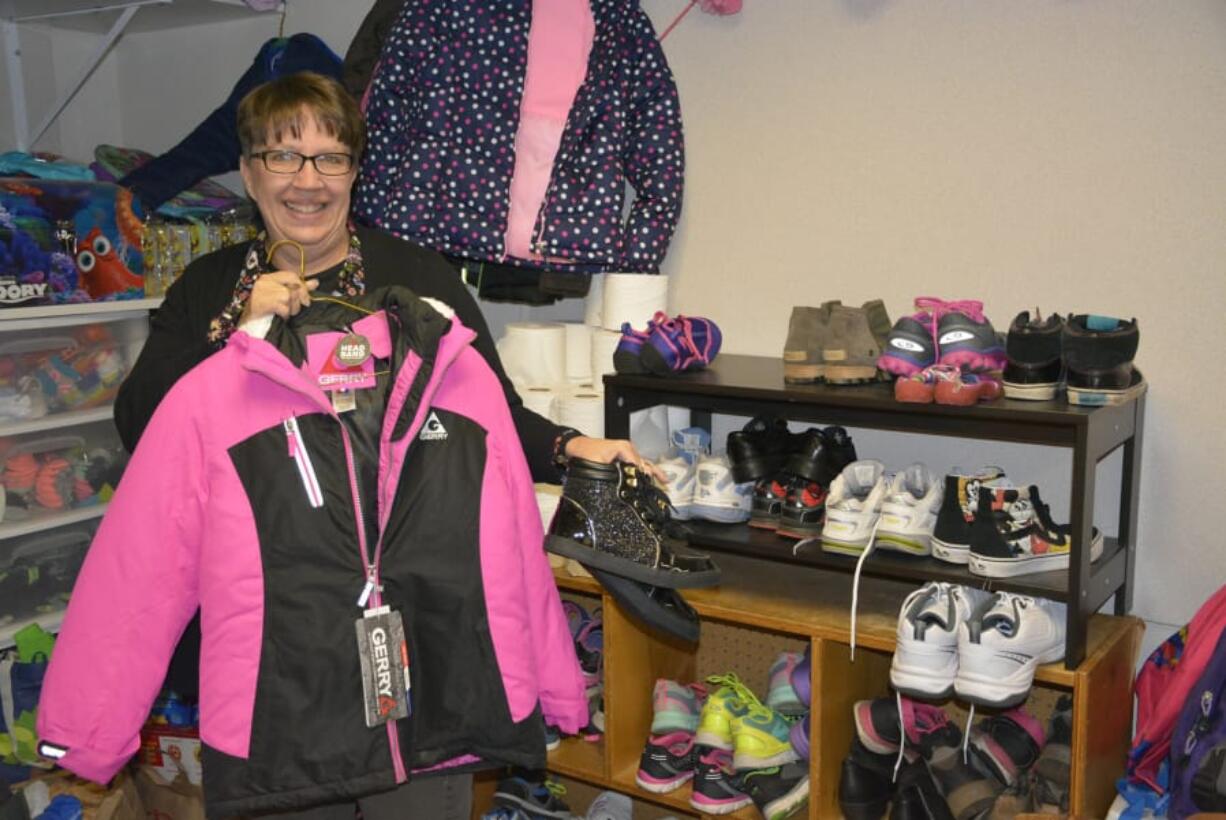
(614, 518)
(759, 449)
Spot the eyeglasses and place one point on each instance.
(291, 162)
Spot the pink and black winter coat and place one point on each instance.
(250, 497)
(508, 131)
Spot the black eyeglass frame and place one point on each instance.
(262, 156)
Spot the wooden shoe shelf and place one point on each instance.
(753, 385)
(771, 600)
(763, 608)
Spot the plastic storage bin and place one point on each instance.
(60, 370)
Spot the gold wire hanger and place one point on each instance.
(302, 275)
(272, 249)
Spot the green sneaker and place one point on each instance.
(731, 700)
(761, 738)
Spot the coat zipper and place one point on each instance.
(302, 458)
(372, 592)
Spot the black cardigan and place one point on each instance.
(178, 336)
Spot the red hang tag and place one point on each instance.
(341, 361)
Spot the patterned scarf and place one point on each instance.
(351, 281)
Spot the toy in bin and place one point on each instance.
(70, 369)
(37, 576)
(57, 473)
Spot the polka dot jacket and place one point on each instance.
(443, 109)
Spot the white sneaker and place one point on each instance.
(853, 506)
(926, 656)
(1002, 644)
(693, 442)
(611, 805)
(717, 496)
(681, 474)
(909, 511)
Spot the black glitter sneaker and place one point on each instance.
(1034, 365)
(613, 517)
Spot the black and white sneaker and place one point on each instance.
(1098, 354)
(716, 786)
(1034, 365)
(951, 535)
(1013, 534)
(781, 791)
(667, 762)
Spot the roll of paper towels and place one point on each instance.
(583, 409)
(633, 298)
(604, 344)
(578, 353)
(593, 305)
(534, 353)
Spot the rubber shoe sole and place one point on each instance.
(1031, 392)
(989, 567)
(1087, 397)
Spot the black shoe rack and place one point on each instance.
(754, 385)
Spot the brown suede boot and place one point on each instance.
(802, 353)
(855, 338)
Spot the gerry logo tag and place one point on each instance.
(383, 670)
(432, 430)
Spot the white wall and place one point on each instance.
(51, 60)
(1059, 153)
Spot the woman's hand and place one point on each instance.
(607, 450)
(279, 292)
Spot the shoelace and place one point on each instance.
(554, 789)
(855, 580)
(741, 692)
(936, 308)
(651, 503)
(689, 352)
(928, 719)
(655, 321)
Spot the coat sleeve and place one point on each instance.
(559, 677)
(654, 154)
(136, 591)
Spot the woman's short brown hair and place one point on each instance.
(278, 107)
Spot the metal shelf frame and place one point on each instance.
(13, 13)
(752, 385)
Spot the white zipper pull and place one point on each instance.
(368, 589)
(306, 470)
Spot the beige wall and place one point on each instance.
(1060, 153)
(1064, 154)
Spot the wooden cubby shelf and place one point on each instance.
(762, 608)
(773, 599)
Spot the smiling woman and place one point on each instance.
(280, 126)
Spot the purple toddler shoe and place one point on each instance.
(681, 344)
